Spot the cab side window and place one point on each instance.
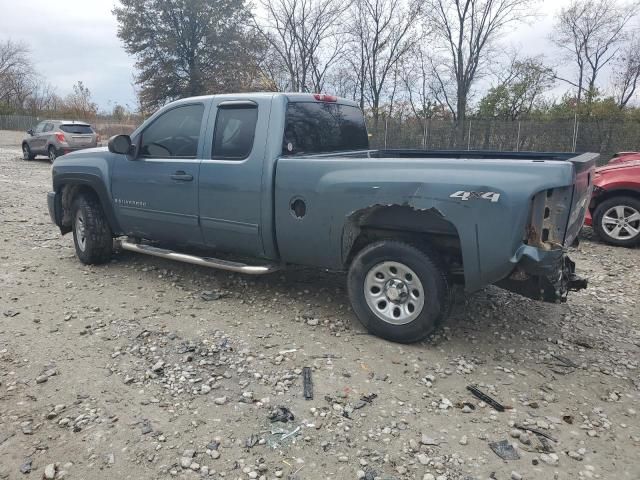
(234, 132)
(174, 134)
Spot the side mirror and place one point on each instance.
(30, 131)
(120, 144)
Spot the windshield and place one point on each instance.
(321, 127)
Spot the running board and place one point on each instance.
(204, 261)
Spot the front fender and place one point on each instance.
(89, 169)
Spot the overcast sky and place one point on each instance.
(75, 40)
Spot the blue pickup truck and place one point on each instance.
(254, 182)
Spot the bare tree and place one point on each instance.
(465, 31)
(590, 32)
(626, 76)
(303, 38)
(418, 82)
(383, 32)
(79, 102)
(16, 74)
(41, 98)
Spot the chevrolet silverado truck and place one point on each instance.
(254, 182)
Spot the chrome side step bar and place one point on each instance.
(204, 261)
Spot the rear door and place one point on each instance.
(156, 194)
(231, 176)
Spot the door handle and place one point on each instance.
(182, 176)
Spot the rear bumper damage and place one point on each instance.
(547, 275)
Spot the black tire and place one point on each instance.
(51, 151)
(26, 152)
(93, 241)
(626, 238)
(430, 276)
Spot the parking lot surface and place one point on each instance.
(145, 368)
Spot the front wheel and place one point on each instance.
(397, 291)
(91, 232)
(617, 221)
(26, 152)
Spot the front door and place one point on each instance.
(39, 141)
(231, 177)
(156, 193)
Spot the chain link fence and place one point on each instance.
(106, 126)
(605, 137)
(573, 135)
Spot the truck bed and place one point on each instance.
(488, 198)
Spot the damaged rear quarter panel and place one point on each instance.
(335, 188)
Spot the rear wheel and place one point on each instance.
(91, 233)
(52, 154)
(397, 291)
(617, 221)
(26, 152)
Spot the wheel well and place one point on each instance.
(607, 194)
(70, 192)
(425, 229)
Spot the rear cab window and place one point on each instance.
(323, 127)
(77, 129)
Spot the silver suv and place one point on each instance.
(58, 137)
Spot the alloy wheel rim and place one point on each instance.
(52, 155)
(394, 293)
(25, 152)
(81, 236)
(621, 222)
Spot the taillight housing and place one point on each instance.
(60, 137)
(321, 97)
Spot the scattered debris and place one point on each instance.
(308, 383)
(486, 398)
(293, 432)
(504, 450)
(252, 441)
(536, 431)
(11, 313)
(566, 361)
(26, 465)
(281, 414)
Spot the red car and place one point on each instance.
(622, 157)
(614, 211)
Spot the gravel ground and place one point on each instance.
(145, 368)
(10, 138)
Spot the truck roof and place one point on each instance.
(292, 97)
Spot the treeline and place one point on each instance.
(24, 92)
(418, 59)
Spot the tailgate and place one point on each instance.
(584, 166)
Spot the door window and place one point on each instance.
(174, 134)
(40, 127)
(234, 132)
(48, 127)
